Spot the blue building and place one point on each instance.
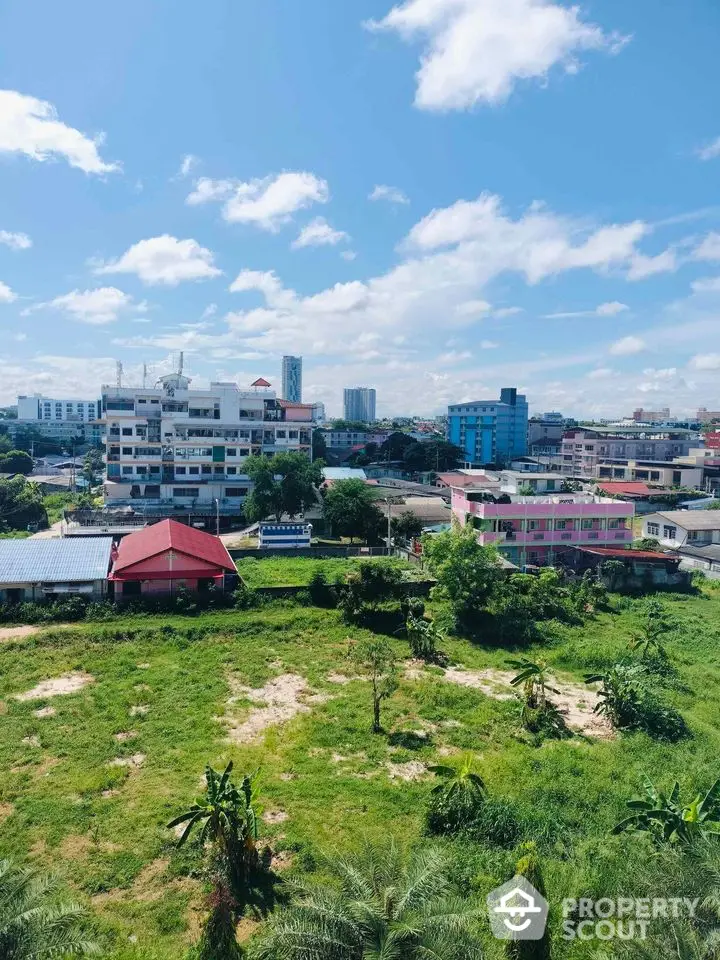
(490, 431)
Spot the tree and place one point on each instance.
(646, 543)
(319, 445)
(21, 504)
(282, 484)
(423, 637)
(395, 446)
(92, 465)
(526, 490)
(534, 677)
(668, 820)
(378, 905)
(16, 461)
(615, 571)
(528, 866)
(455, 801)
(655, 624)
(467, 573)
(375, 657)
(351, 511)
(228, 819)
(407, 526)
(36, 922)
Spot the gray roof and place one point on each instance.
(54, 561)
(344, 473)
(710, 552)
(689, 519)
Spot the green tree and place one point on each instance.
(16, 461)
(92, 466)
(375, 657)
(264, 498)
(319, 445)
(423, 637)
(350, 510)
(395, 446)
(615, 571)
(378, 905)
(526, 490)
(528, 866)
(228, 818)
(282, 484)
(407, 526)
(668, 819)
(655, 624)
(467, 573)
(455, 801)
(36, 922)
(21, 504)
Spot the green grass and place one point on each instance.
(66, 807)
(298, 571)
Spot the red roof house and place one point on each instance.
(169, 556)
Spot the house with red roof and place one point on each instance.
(170, 556)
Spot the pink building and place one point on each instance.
(530, 530)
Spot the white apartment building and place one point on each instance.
(49, 409)
(582, 451)
(171, 449)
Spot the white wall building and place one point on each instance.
(171, 449)
(359, 404)
(37, 407)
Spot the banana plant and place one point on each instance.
(671, 821)
(534, 677)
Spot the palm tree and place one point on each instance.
(229, 818)
(654, 625)
(456, 801)
(534, 677)
(664, 816)
(380, 906)
(35, 922)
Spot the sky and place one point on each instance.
(436, 199)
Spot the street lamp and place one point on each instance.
(217, 517)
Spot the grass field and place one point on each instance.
(298, 571)
(87, 790)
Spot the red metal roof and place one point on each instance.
(260, 382)
(634, 488)
(171, 535)
(633, 554)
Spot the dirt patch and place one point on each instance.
(288, 775)
(44, 712)
(6, 810)
(282, 860)
(278, 701)
(31, 741)
(340, 678)
(13, 633)
(245, 928)
(147, 887)
(574, 701)
(75, 846)
(141, 710)
(411, 771)
(125, 735)
(275, 816)
(135, 761)
(108, 794)
(58, 687)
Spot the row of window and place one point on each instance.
(194, 492)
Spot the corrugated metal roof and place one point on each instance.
(54, 561)
(171, 535)
(344, 473)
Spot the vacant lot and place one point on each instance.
(93, 770)
(298, 571)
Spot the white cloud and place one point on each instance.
(319, 233)
(627, 346)
(473, 308)
(188, 164)
(611, 309)
(706, 361)
(31, 127)
(709, 248)
(391, 194)
(603, 310)
(706, 285)
(477, 50)
(268, 203)
(601, 373)
(164, 260)
(96, 307)
(710, 151)
(642, 266)
(16, 241)
(19, 337)
(453, 356)
(507, 312)
(209, 311)
(488, 345)
(6, 294)
(348, 255)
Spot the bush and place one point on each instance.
(322, 594)
(628, 702)
(245, 597)
(367, 587)
(486, 820)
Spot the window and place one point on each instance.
(186, 492)
(654, 474)
(127, 470)
(231, 451)
(127, 451)
(181, 471)
(587, 524)
(206, 468)
(245, 452)
(194, 471)
(231, 471)
(127, 431)
(533, 524)
(670, 533)
(616, 524)
(561, 524)
(142, 401)
(235, 491)
(293, 434)
(281, 433)
(653, 529)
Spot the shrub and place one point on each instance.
(322, 594)
(629, 704)
(245, 597)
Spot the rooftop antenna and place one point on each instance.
(144, 375)
(119, 369)
(181, 363)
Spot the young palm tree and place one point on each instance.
(534, 677)
(381, 906)
(35, 923)
(229, 818)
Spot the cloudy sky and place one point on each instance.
(437, 198)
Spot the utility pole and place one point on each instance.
(389, 521)
(217, 517)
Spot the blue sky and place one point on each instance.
(436, 198)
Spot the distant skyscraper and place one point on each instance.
(292, 379)
(359, 404)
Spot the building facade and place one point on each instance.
(583, 450)
(651, 471)
(359, 404)
(292, 379)
(651, 416)
(490, 431)
(48, 409)
(533, 530)
(174, 450)
(679, 528)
